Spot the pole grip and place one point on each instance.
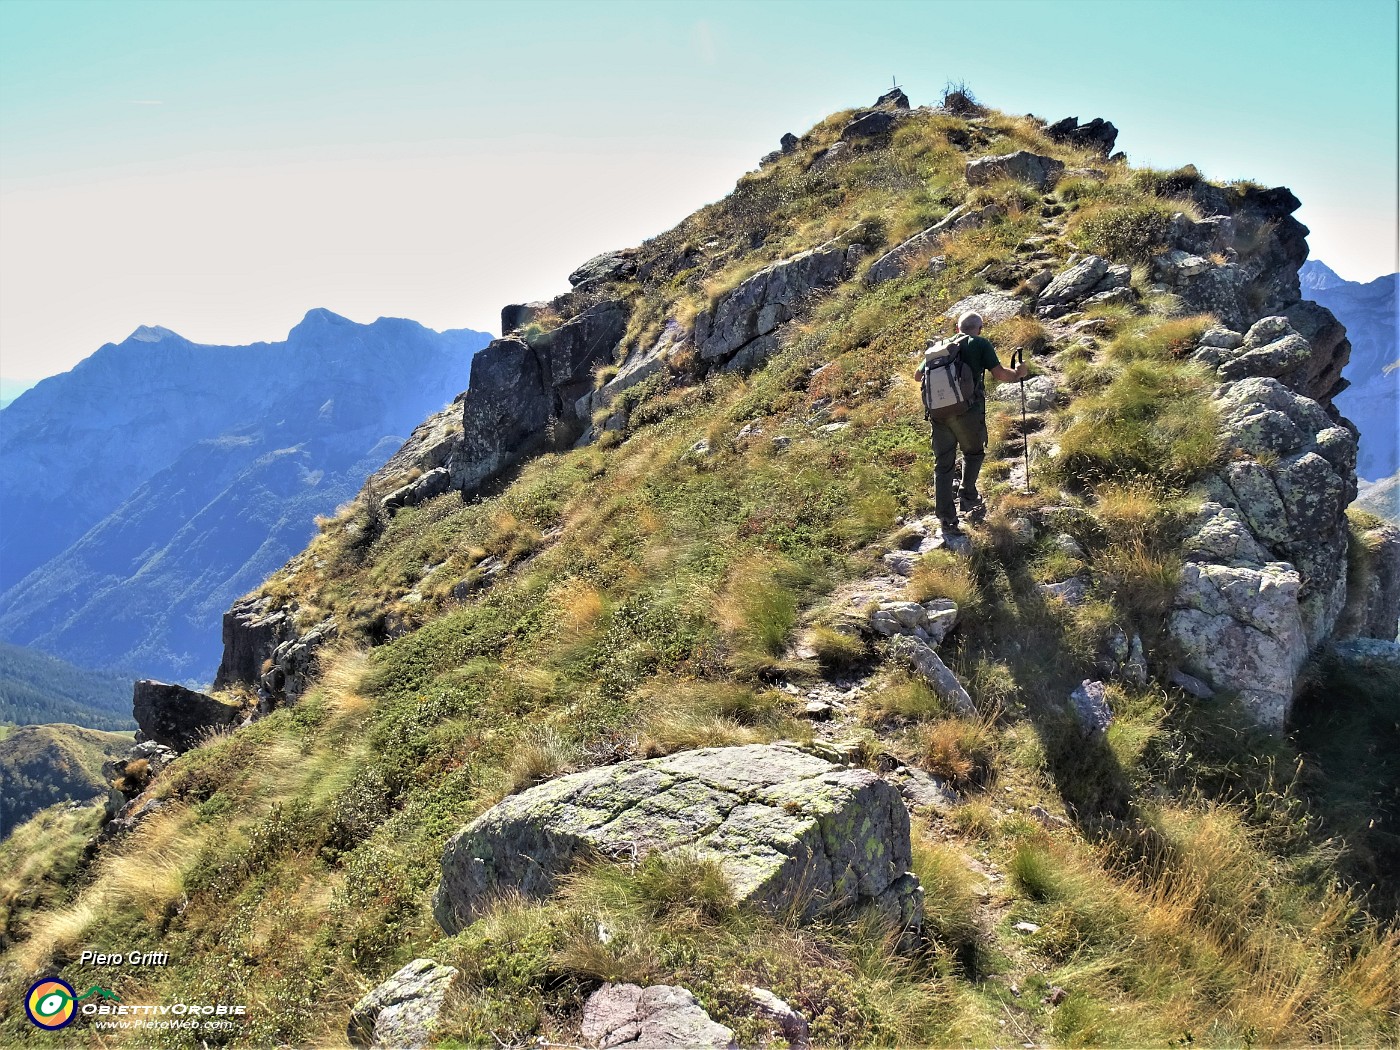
(1018, 356)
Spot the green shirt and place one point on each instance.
(981, 356)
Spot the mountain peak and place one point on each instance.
(152, 334)
(1315, 276)
(321, 316)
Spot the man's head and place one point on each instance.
(970, 323)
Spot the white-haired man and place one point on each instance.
(967, 431)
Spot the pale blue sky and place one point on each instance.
(220, 168)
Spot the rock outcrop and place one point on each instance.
(402, 1013)
(739, 329)
(659, 1017)
(524, 391)
(788, 829)
(895, 262)
(176, 717)
(1098, 134)
(253, 629)
(1238, 617)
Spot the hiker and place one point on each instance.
(951, 378)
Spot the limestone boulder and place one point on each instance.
(1074, 282)
(660, 1017)
(788, 830)
(1023, 166)
(610, 266)
(176, 717)
(403, 1012)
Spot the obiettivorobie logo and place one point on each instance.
(52, 1003)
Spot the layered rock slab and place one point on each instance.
(789, 830)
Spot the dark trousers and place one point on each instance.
(969, 433)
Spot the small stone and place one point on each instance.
(792, 1024)
(404, 1010)
(1090, 705)
(781, 442)
(818, 710)
(1192, 685)
(1026, 927)
(1057, 996)
(658, 1018)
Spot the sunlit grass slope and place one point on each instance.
(1188, 881)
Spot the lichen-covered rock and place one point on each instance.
(403, 1012)
(177, 717)
(660, 1017)
(1040, 392)
(761, 303)
(1024, 166)
(788, 829)
(1373, 593)
(1237, 617)
(523, 392)
(1271, 349)
(1291, 488)
(610, 266)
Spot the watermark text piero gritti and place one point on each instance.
(124, 959)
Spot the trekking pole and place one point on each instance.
(1018, 357)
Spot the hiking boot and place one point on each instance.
(950, 528)
(975, 513)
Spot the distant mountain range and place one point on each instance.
(1372, 402)
(160, 479)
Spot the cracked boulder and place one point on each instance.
(404, 1010)
(1023, 166)
(1236, 615)
(788, 829)
(659, 1017)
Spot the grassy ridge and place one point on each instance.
(1183, 888)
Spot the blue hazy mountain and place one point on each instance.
(1372, 402)
(159, 479)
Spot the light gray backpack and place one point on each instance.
(949, 385)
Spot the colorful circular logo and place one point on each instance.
(50, 1003)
